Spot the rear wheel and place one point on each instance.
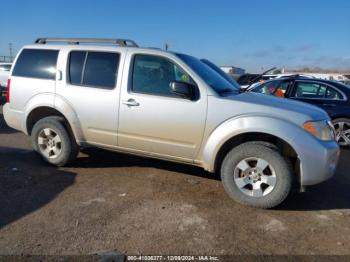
(256, 175)
(342, 131)
(52, 141)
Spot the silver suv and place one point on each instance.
(170, 106)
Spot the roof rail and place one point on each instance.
(77, 41)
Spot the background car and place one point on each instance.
(251, 80)
(331, 96)
(247, 79)
(4, 75)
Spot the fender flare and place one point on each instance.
(39, 100)
(233, 127)
(55, 102)
(65, 108)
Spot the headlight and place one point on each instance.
(323, 130)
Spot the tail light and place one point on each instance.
(8, 91)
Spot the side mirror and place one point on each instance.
(182, 89)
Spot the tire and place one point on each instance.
(53, 141)
(278, 175)
(342, 125)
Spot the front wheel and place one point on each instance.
(256, 175)
(342, 131)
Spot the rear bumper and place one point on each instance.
(13, 119)
(318, 159)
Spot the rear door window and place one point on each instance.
(333, 94)
(76, 64)
(93, 69)
(310, 90)
(101, 69)
(36, 63)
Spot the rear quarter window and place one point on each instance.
(36, 63)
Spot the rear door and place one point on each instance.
(320, 94)
(90, 88)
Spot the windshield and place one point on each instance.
(210, 76)
(220, 72)
(275, 87)
(266, 88)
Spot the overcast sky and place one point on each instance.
(250, 34)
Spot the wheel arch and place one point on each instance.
(236, 131)
(279, 144)
(43, 111)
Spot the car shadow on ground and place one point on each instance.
(331, 194)
(100, 158)
(27, 184)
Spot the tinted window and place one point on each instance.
(101, 69)
(220, 72)
(153, 75)
(36, 63)
(76, 64)
(211, 77)
(271, 87)
(333, 94)
(310, 90)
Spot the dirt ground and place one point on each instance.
(108, 201)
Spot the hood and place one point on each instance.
(283, 107)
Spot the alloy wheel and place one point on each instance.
(50, 143)
(255, 177)
(342, 132)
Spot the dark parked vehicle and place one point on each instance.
(331, 96)
(247, 79)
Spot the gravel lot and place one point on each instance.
(109, 201)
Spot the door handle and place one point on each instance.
(131, 102)
(331, 105)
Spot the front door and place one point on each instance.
(152, 119)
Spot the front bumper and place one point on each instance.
(318, 159)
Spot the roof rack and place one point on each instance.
(77, 41)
